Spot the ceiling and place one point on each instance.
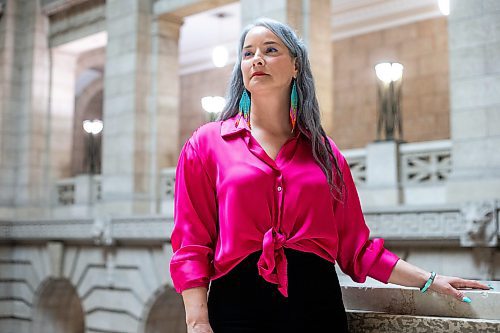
(200, 33)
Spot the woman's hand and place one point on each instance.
(199, 328)
(449, 285)
(406, 274)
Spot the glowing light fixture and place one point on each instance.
(93, 126)
(213, 104)
(389, 72)
(444, 7)
(220, 56)
(389, 123)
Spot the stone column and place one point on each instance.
(7, 134)
(311, 20)
(164, 108)
(141, 95)
(474, 46)
(62, 109)
(25, 117)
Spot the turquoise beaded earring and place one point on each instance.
(294, 101)
(244, 108)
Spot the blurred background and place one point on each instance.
(97, 97)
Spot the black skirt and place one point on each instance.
(242, 301)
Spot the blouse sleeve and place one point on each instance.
(194, 233)
(358, 256)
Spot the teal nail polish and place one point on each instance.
(466, 299)
(491, 287)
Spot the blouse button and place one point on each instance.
(279, 188)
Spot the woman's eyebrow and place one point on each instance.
(265, 43)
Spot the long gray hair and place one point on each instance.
(308, 114)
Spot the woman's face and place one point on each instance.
(266, 63)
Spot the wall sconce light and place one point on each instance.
(390, 77)
(213, 105)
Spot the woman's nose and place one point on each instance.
(257, 59)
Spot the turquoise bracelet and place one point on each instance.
(428, 283)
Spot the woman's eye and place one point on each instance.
(271, 49)
(247, 53)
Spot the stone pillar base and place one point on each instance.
(382, 177)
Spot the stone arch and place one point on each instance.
(95, 59)
(58, 308)
(164, 313)
(88, 105)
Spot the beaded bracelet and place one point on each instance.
(428, 283)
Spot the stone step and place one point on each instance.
(372, 322)
(374, 296)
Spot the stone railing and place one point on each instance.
(425, 162)
(167, 184)
(378, 308)
(100, 230)
(357, 163)
(371, 306)
(420, 163)
(415, 172)
(65, 191)
(423, 168)
(80, 190)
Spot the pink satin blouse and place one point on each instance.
(232, 199)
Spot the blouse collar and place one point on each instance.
(229, 126)
(232, 126)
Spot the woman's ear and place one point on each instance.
(296, 65)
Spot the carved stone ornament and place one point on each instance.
(481, 224)
(101, 231)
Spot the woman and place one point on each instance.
(265, 206)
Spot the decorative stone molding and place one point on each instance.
(101, 231)
(65, 192)
(67, 229)
(416, 224)
(82, 189)
(153, 228)
(405, 224)
(481, 224)
(475, 225)
(425, 163)
(421, 163)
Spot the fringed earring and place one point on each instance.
(244, 108)
(294, 101)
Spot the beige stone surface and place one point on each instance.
(193, 87)
(369, 322)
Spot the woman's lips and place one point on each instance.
(258, 74)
